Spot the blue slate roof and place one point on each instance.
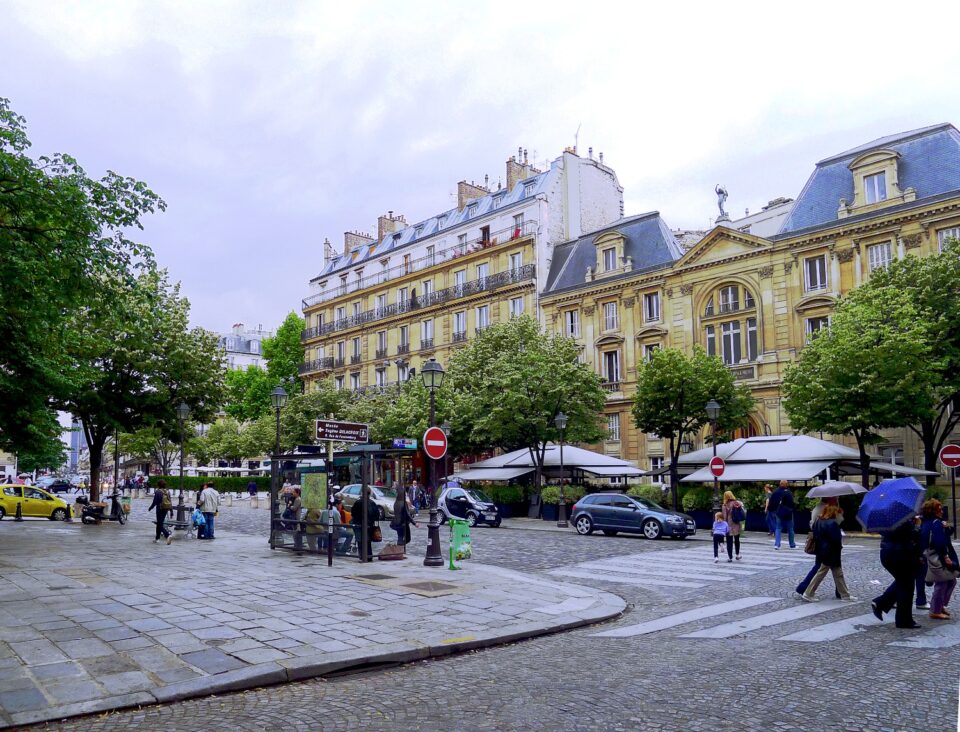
(929, 162)
(522, 190)
(647, 239)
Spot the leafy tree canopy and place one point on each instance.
(284, 354)
(248, 393)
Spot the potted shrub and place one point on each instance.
(698, 503)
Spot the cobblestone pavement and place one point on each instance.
(702, 647)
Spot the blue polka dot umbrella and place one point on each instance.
(891, 504)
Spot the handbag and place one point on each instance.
(810, 545)
(936, 571)
(375, 535)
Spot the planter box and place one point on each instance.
(703, 519)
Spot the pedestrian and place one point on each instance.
(209, 500)
(899, 555)
(768, 514)
(356, 520)
(735, 516)
(720, 532)
(402, 518)
(941, 558)
(315, 521)
(346, 535)
(162, 505)
(829, 543)
(252, 488)
(814, 515)
(782, 504)
(291, 514)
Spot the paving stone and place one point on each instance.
(212, 661)
(112, 664)
(86, 648)
(53, 671)
(129, 644)
(260, 655)
(38, 651)
(72, 690)
(21, 700)
(145, 624)
(125, 683)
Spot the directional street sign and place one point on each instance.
(435, 443)
(950, 456)
(342, 431)
(717, 466)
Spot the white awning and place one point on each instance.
(614, 472)
(747, 472)
(880, 467)
(492, 473)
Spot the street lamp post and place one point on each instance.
(278, 398)
(432, 374)
(713, 411)
(561, 422)
(183, 411)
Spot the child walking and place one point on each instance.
(720, 531)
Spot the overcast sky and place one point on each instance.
(267, 126)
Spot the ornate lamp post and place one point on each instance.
(432, 374)
(561, 422)
(278, 398)
(713, 411)
(183, 411)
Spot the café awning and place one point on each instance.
(492, 473)
(752, 472)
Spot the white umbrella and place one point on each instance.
(834, 488)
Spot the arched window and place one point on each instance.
(730, 324)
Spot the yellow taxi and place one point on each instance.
(33, 502)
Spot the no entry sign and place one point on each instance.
(950, 456)
(435, 443)
(717, 466)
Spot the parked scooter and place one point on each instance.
(93, 513)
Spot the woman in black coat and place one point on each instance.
(160, 496)
(900, 556)
(402, 518)
(356, 521)
(829, 543)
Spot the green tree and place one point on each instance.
(932, 286)
(159, 444)
(867, 372)
(228, 439)
(298, 417)
(134, 359)
(248, 393)
(284, 354)
(511, 381)
(50, 454)
(672, 392)
(61, 232)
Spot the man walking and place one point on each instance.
(781, 503)
(209, 505)
(162, 504)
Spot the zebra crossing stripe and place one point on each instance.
(943, 636)
(625, 579)
(654, 572)
(689, 616)
(685, 565)
(762, 621)
(833, 631)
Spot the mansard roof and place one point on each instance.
(929, 162)
(647, 240)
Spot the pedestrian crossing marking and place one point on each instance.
(658, 571)
(763, 621)
(942, 636)
(689, 616)
(626, 580)
(734, 570)
(833, 631)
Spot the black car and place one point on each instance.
(616, 512)
(471, 504)
(60, 486)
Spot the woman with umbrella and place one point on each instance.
(891, 509)
(829, 543)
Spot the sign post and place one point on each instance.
(330, 430)
(435, 443)
(717, 466)
(950, 458)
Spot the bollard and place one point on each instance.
(254, 502)
(229, 499)
(19, 516)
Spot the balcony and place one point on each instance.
(460, 336)
(437, 297)
(337, 363)
(610, 386)
(480, 328)
(317, 364)
(528, 228)
(403, 348)
(381, 353)
(426, 343)
(355, 358)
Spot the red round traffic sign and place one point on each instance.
(717, 466)
(950, 456)
(435, 443)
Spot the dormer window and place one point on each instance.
(472, 210)
(875, 187)
(418, 231)
(528, 189)
(609, 259)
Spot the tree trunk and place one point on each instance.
(674, 476)
(864, 461)
(928, 435)
(96, 442)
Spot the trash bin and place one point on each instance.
(125, 502)
(459, 541)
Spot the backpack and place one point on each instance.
(738, 515)
(165, 503)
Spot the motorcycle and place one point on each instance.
(93, 513)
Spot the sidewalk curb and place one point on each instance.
(607, 607)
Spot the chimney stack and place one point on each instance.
(467, 192)
(389, 224)
(352, 239)
(327, 251)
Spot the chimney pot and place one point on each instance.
(590, 152)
